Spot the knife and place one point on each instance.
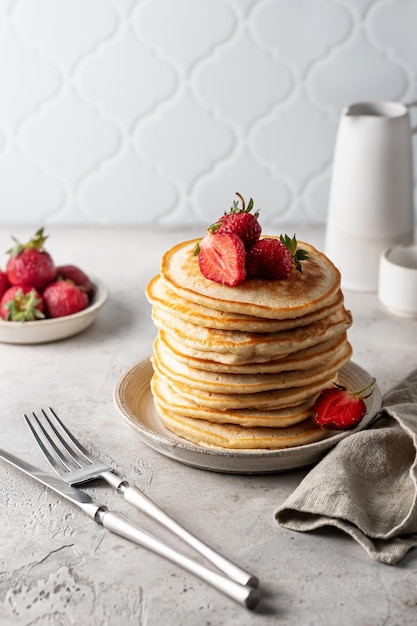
(120, 525)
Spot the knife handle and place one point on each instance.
(120, 525)
(136, 497)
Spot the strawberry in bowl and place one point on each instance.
(4, 283)
(63, 297)
(60, 290)
(21, 304)
(30, 264)
(42, 301)
(76, 275)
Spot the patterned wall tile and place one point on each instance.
(158, 111)
(114, 79)
(70, 137)
(26, 82)
(242, 82)
(306, 132)
(184, 139)
(184, 31)
(129, 187)
(242, 173)
(29, 194)
(392, 26)
(335, 80)
(66, 30)
(301, 32)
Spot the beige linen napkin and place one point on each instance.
(367, 484)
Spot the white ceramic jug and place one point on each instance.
(371, 195)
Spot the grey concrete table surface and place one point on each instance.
(59, 568)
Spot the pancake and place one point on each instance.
(273, 399)
(162, 297)
(300, 294)
(231, 436)
(301, 360)
(226, 383)
(166, 398)
(243, 347)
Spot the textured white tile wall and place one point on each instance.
(157, 111)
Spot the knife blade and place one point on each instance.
(56, 484)
(120, 525)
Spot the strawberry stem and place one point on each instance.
(245, 209)
(368, 386)
(242, 200)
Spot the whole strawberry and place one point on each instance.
(29, 264)
(4, 282)
(273, 259)
(221, 257)
(78, 277)
(337, 408)
(21, 304)
(240, 222)
(62, 298)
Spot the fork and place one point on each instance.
(75, 465)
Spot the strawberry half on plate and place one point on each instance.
(337, 408)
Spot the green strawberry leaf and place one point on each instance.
(297, 255)
(37, 242)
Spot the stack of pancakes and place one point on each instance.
(240, 367)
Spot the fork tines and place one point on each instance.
(56, 442)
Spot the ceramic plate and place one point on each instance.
(133, 399)
(43, 331)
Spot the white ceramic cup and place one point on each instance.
(371, 195)
(397, 284)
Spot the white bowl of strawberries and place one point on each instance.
(41, 301)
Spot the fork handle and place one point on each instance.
(136, 497)
(118, 524)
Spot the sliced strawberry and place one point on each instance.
(241, 222)
(78, 277)
(221, 257)
(62, 298)
(21, 304)
(337, 408)
(4, 282)
(29, 264)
